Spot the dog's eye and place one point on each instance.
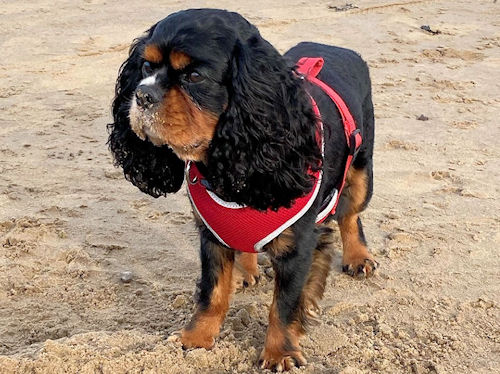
(194, 77)
(147, 68)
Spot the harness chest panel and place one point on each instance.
(249, 230)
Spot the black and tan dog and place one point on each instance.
(203, 86)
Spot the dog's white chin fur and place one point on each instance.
(144, 124)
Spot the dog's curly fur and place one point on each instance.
(265, 137)
(154, 170)
(202, 85)
(265, 106)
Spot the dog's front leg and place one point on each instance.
(291, 257)
(215, 289)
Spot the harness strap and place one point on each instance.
(310, 67)
(247, 229)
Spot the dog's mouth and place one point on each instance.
(148, 125)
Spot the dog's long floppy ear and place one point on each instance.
(154, 170)
(264, 146)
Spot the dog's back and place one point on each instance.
(344, 69)
(347, 73)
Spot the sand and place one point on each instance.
(70, 225)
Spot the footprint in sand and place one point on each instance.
(441, 175)
(175, 218)
(488, 43)
(454, 185)
(178, 218)
(464, 125)
(398, 144)
(445, 84)
(440, 54)
(446, 176)
(24, 235)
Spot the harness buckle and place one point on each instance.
(206, 184)
(353, 147)
(298, 75)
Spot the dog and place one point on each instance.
(203, 97)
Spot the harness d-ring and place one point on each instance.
(186, 172)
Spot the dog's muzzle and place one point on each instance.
(147, 96)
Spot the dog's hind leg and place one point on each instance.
(246, 270)
(316, 280)
(356, 259)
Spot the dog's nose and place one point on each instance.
(146, 96)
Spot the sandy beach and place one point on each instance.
(70, 225)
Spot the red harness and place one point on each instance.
(249, 230)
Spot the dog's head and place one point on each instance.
(203, 85)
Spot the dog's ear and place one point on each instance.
(154, 170)
(264, 146)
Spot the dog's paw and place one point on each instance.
(192, 339)
(243, 279)
(175, 337)
(279, 362)
(247, 282)
(360, 267)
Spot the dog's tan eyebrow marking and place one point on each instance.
(153, 54)
(179, 60)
